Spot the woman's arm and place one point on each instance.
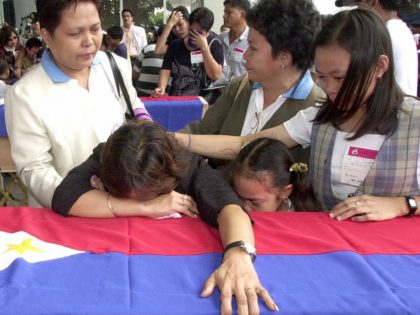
(236, 276)
(161, 45)
(30, 144)
(220, 206)
(227, 147)
(164, 76)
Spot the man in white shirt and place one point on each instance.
(403, 43)
(235, 41)
(134, 36)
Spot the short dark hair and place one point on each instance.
(269, 157)
(203, 17)
(127, 10)
(391, 5)
(49, 11)
(33, 42)
(288, 25)
(115, 32)
(365, 37)
(243, 4)
(4, 66)
(141, 158)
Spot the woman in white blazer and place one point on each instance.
(60, 111)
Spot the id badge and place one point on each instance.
(356, 165)
(196, 57)
(236, 54)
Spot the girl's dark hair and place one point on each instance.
(288, 25)
(141, 158)
(268, 156)
(365, 37)
(49, 11)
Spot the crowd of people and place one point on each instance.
(310, 114)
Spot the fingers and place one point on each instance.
(252, 297)
(349, 208)
(186, 205)
(226, 300)
(209, 286)
(267, 299)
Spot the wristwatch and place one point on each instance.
(412, 205)
(246, 247)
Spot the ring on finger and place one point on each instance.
(256, 290)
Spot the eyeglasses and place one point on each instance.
(255, 122)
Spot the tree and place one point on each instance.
(143, 10)
(110, 13)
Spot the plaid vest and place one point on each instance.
(394, 171)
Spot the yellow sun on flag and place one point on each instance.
(25, 245)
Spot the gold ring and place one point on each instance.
(256, 290)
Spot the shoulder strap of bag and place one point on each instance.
(244, 81)
(119, 82)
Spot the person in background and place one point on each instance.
(142, 171)
(59, 111)
(364, 139)
(28, 58)
(147, 67)
(4, 78)
(104, 45)
(114, 41)
(194, 60)
(176, 27)
(134, 36)
(278, 84)
(10, 46)
(235, 41)
(36, 33)
(266, 177)
(403, 46)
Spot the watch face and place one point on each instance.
(412, 202)
(248, 248)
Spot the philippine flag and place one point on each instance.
(309, 263)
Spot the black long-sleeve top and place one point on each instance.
(204, 184)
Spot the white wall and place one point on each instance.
(328, 6)
(23, 8)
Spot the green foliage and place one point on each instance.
(143, 10)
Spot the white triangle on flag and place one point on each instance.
(30, 248)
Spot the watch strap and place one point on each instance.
(242, 245)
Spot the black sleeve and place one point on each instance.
(76, 183)
(208, 188)
(216, 50)
(169, 56)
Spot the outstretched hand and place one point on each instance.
(237, 277)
